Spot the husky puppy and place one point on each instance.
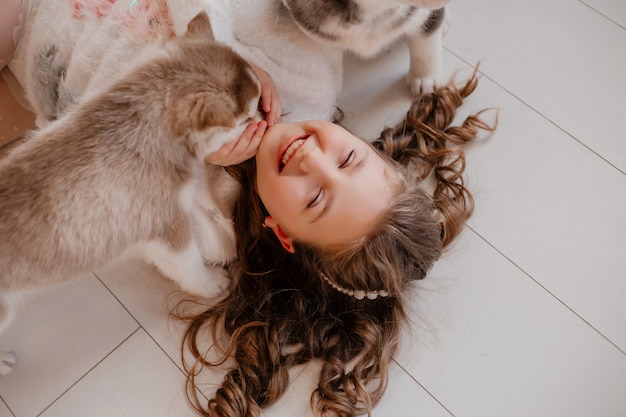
(366, 27)
(119, 173)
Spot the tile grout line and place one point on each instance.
(179, 367)
(537, 283)
(552, 294)
(7, 406)
(602, 14)
(118, 300)
(424, 388)
(89, 371)
(141, 327)
(543, 116)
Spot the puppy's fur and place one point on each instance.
(119, 172)
(366, 27)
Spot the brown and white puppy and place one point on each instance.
(119, 172)
(366, 27)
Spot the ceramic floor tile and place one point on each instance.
(136, 380)
(4, 411)
(487, 341)
(554, 208)
(572, 72)
(615, 10)
(59, 335)
(148, 296)
(406, 398)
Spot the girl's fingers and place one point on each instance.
(241, 149)
(247, 148)
(258, 135)
(270, 98)
(275, 110)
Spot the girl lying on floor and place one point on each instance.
(330, 237)
(330, 230)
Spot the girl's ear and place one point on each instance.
(285, 240)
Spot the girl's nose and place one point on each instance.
(313, 161)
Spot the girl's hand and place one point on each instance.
(270, 99)
(241, 149)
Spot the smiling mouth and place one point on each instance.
(291, 151)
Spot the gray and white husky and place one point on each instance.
(121, 172)
(366, 27)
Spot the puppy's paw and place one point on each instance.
(7, 361)
(214, 282)
(218, 282)
(421, 85)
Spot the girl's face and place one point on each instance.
(320, 184)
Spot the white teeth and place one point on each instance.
(291, 150)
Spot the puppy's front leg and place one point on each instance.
(7, 313)
(425, 49)
(187, 268)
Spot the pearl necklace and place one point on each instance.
(358, 294)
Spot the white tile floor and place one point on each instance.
(524, 317)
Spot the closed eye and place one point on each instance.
(316, 200)
(348, 160)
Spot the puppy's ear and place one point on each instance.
(201, 110)
(200, 27)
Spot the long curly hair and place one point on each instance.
(280, 312)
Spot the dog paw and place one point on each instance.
(217, 283)
(213, 282)
(7, 361)
(421, 85)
